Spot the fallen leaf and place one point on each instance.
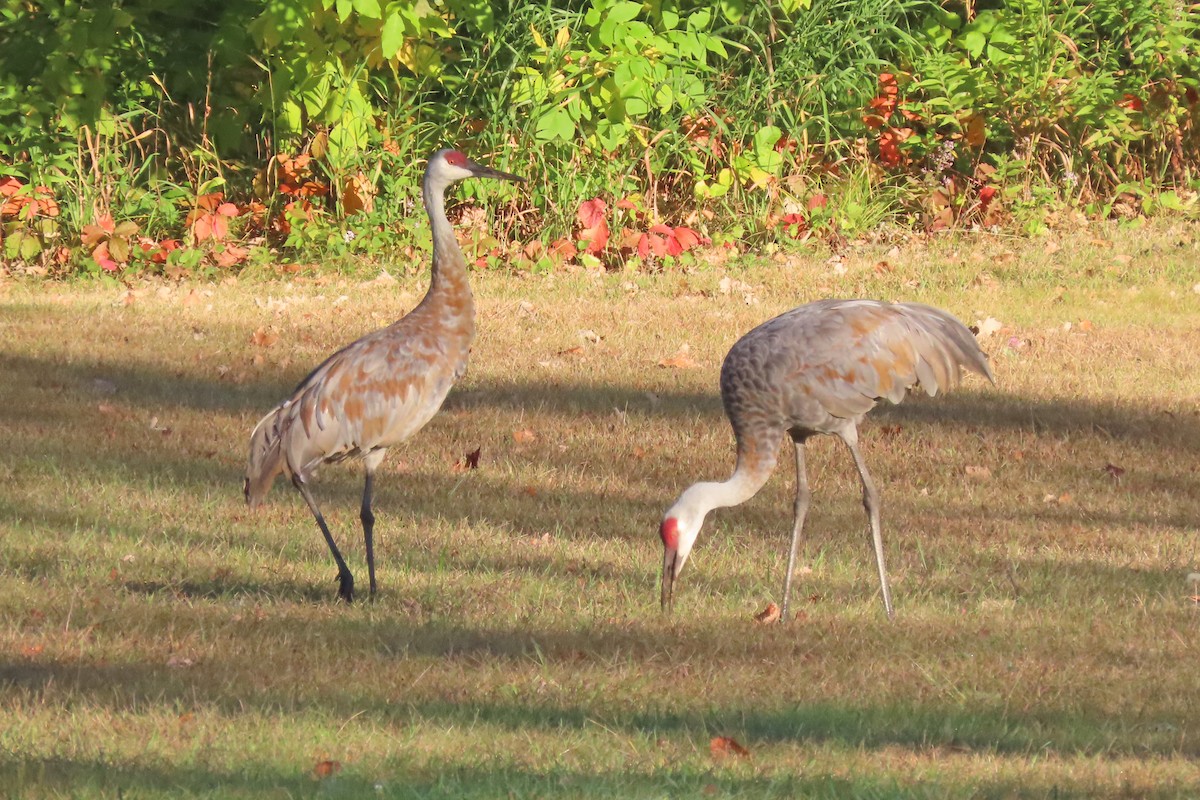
(768, 615)
(978, 473)
(468, 461)
(524, 436)
(1085, 325)
(681, 360)
(1114, 471)
(264, 337)
(323, 769)
(722, 746)
(577, 350)
(986, 327)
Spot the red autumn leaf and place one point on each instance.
(687, 238)
(323, 769)
(92, 235)
(231, 255)
(768, 615)
(595, 225)
(889, 145)
(818, 200)
(563, 248)
(650, 243)
(874, 121)
(312, 189)
(986, 195)
(165, 248)
(102, 257)
(722, 746)
(227, 210)
(591, 212)
(1131, 102)
(794, 225)
(210, 201)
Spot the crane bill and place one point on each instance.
(480, 171)
(667, 600)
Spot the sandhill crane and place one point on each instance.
(378, 391)
(818, 369)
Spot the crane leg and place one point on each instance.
(800, 509)
(368, 524)
(871, 504)
(345, 579)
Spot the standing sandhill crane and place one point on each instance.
(380, 390)
(818, 369)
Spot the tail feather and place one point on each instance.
(957, 344)
(266, 460)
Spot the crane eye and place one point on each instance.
(455, 158)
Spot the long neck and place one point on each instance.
(754, 465)
(449, 275)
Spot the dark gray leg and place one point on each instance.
(871, 504)
(799, 510)
(368, 523)
(345, 579)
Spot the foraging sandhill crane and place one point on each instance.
(818, 369)
(378, 391)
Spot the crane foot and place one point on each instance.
(346, 586)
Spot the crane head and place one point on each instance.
(448, 166)
(678, 532)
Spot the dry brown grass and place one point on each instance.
(159, 640)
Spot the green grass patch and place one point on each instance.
(160, 640)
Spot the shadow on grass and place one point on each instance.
(985, 408)
(85, 779)
(656, 650)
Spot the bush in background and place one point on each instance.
(149, 136)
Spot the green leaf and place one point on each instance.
(391, 36)
(368, 8)
(733, 10)
(764, 142)
(973, 41)
(555, 124)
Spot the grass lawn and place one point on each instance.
(159, 640)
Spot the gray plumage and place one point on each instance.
(818, 369)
